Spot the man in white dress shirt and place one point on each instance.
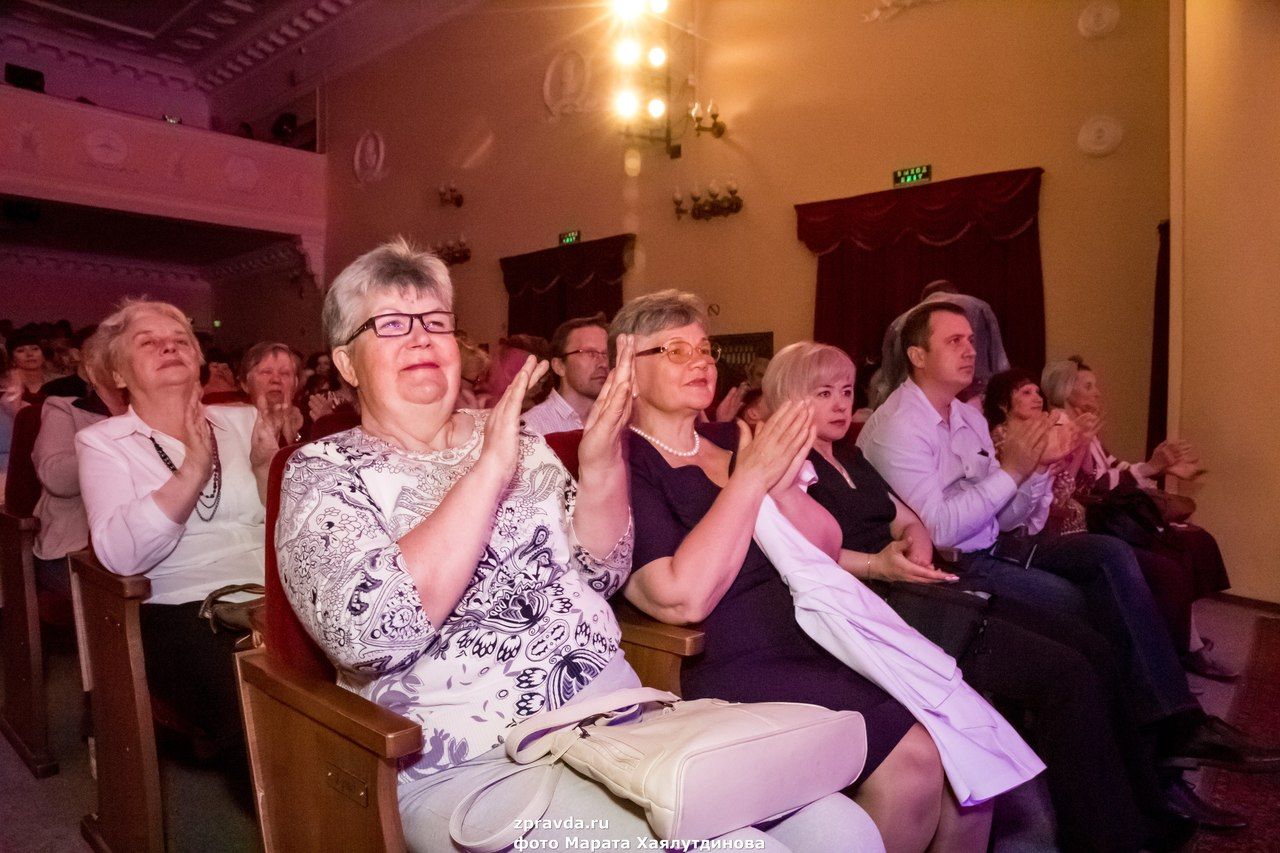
(580, 361)
(937, 455)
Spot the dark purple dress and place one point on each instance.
(755, 651)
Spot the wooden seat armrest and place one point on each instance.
(641, 629)
(382, 732)
(93, 573)
(23, 523)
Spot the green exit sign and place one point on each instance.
(914, 175)
(568, 238)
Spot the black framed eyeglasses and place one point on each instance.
(679, 352)
(399, 325)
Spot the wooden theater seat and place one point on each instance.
(130, 815)
(24, 718)
(325, 759)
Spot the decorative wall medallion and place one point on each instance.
(564, 86)
(370, 157)
(1099, 19)
(241, 172)
(1100, 135)
(106, 147)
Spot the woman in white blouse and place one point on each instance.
(455, 573)
(174, 490)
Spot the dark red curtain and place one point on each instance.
(876, 252)
(548, 287)
(1158, 408)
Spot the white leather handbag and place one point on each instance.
(699, 768)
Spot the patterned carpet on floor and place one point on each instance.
(1256, 710)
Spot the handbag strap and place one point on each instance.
(546, 724)
(510, 830)
(539, 753)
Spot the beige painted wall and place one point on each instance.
(1230, 384)
(820, 104)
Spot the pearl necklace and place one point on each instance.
(684, 454)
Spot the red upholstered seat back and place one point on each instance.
(22, 486)
(287, 641)
(342, 418)
(226, 398)
(565, 445)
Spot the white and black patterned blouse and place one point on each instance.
(532, 629)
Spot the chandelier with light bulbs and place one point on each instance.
(642, 53)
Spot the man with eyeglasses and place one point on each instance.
(580, 361)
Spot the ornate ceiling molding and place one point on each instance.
(97, 58)
(297, 27)
(285, 256)
(80, 266)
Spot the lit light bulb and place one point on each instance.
(626, 104)
(657, 57)
(657, 107)
(628, 10)
(695, 111)
(627, 52)
(657, 6)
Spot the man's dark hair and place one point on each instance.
(915, 329)
(939, 285)
(560, 339)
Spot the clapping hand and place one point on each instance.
(1024, 447)
(197, 465)
(270, 431)
(1185, 464)
(773, 456)
(501, 451)
(731, 403)
(601, 447)
(1088, 427)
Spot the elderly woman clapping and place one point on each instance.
(444, 558)
(174, 490)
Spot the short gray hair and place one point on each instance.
(111, 331)
(396, 265)
(259, 352)
(653, 312)
(1058, 380)
(799, 369)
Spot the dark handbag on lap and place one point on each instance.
(1125, 512)
(951, 619)
(235, 616)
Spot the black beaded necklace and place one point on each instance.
(208, 501)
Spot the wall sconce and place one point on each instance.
(452, 252)
(711, 205)
(708, 120)
(449, 195)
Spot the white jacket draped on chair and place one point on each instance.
(981, 753)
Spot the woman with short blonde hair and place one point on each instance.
(175, 490)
